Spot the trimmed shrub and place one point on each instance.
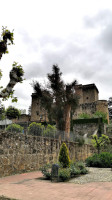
(50, 131)
(64, 156)
(103, 160)
(36, 129)
(16, 128)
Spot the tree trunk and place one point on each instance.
(98, 148)
(67, 121)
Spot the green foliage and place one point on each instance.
(41, 130)
(35, 128)
(64, 156)
(84, 116)
(64, 174)
(60, 93)
(74, 171)
(2, 112)
(7, 35)
(99, 142)
(17, 72)
(99, 114)
(14, 128)
(46, 171)
(78, 168)
(103, 160)
(81, 166)
(90, 120)
(12, 112)
(49, 131)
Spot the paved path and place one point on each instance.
(29, 186)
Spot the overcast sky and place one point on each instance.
(75, 34)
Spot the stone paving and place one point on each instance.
(29, 186)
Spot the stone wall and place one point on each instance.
(37, 113)
(87, 129)
(22, 118)
(87, 93)
(20, 153)
(91, 108)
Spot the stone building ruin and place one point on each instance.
(88, 103)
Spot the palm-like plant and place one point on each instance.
(57, 98)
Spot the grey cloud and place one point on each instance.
(101, 19)
(46, 39)
(85, 59)
(35, 70)
(105, 39)
(103, 22)
(23, 90)
(31, 44)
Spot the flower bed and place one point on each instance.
(64, 174)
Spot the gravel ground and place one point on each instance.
(94, 175)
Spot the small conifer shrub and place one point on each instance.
(64, 156)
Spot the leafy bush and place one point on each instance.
(84, 116)
(16, 128)
(78, 168)
(35, 129)
(74, 171)
(46, 170)
(64, 156)
(99, 142)
(64, 174)
(103, 160)
(100, 114)
(82, 168)
(97, 114)
(50, 131)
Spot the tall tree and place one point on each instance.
(12, 112)
(58, 99)
(16, 74)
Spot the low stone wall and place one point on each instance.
(20, 153)
(88, 129)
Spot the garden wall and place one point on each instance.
(20, 153)
(88, 127)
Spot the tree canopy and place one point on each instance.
(99, 142)
(12, 112)
(57, 98)
(16, 74)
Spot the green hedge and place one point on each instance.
(15, 128)
(102, 160)
(87, 121)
